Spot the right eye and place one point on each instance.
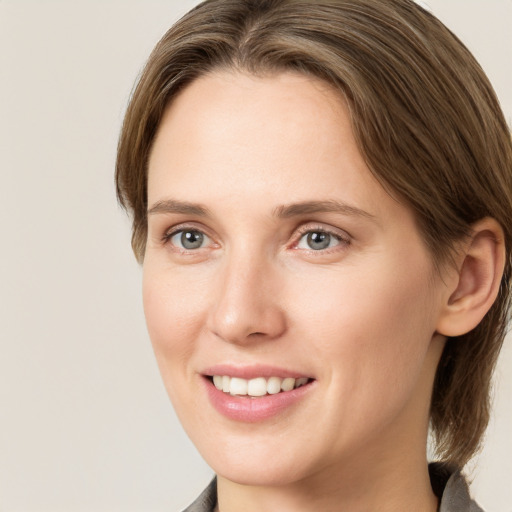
(188, 239)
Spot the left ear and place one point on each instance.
(475, 283)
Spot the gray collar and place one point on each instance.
(455, 495)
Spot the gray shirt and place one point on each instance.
(449, 485)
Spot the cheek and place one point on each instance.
(173, 309)
(372, 328)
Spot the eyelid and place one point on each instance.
(341, 235)
(170, 232)
(308, 227)
(317, 226)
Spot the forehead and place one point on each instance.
(252, 131)
(247, 113)
(239, 143)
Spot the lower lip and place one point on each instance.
(252, 410)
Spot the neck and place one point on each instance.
(355, 489)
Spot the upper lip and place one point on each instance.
(252, 371)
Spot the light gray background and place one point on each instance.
(85, 424)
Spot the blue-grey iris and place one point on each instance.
(192, 239)
(318, 240)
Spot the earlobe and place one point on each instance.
(477, 282)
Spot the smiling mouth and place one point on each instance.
(257, 387)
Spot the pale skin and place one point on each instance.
(250, 166)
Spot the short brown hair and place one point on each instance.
(426, 119)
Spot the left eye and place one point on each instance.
(318, 240)
(189, 239)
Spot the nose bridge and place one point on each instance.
(247, 305)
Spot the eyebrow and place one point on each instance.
(331, 206)
(173, 206)
(282, 212)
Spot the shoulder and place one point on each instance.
(451, 487)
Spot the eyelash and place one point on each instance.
(168, 235)
(344, 240)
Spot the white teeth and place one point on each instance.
(273, 385)
(300, 382)
(238, 386)
(288, 384)
(217, 380)
(258, 386)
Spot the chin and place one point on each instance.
(257, 462)
(270, 473)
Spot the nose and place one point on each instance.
(246, 307)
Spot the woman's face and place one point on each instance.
(274, 255)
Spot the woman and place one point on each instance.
(321, 195)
